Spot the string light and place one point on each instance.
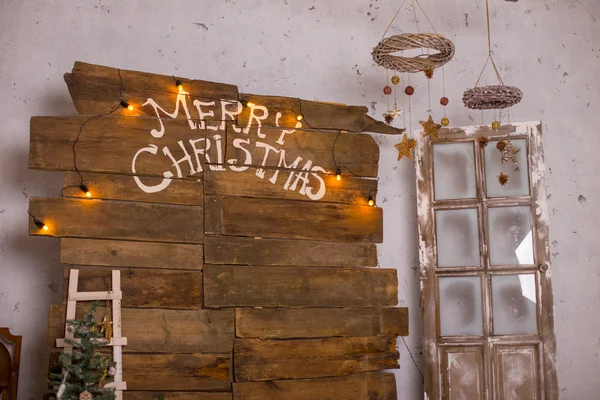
(247, 103)
(38, 223)
(371, 201)
(179, 84)
(126, 105)
(85, 190)
(81, 185)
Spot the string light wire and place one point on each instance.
(337, 167)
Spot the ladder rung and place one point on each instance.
(84, 296)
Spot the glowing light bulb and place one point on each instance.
(180, 88)
(251, 104)
(179, 85)
(299, 117)
(126, 105)
(371, 202)
(85, 190)
(40, 224)
(338, 174)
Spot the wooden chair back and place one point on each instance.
(9, 366)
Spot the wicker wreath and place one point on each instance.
(406, 41)
(489, 97)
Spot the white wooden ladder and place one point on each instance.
(116, 341)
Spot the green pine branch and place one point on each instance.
(84, 368)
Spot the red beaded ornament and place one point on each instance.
(387, 90)
(409, 90)
(444, 101)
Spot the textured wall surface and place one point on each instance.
(320, 50)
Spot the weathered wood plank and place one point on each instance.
(289, 323)
(148, 395)
(261, 360)
(368, 385)
(126, 146)
(317, 115)
(353, 153)
(350, 190)
(123, 187)
(97, 89)
(145, 288)
(110, 144)
(119, 253)
(300, 220)
(117, 220)
(177, 372)
(237, 286)
(280, 252)
(171, 372)
(161, 331)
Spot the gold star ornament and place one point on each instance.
(390, 115)
(406, 147)
(430, 128)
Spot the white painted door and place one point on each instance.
(486, 292)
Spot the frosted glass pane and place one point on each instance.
(513, 304)
(454, 171)
(511, 239)
(518, 174)
(460, 306)
(457, 238)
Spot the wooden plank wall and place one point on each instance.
(236, 284)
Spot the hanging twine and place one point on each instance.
(494, 96)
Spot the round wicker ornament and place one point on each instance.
(382, 53)
(492, 97)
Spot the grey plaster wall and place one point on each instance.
(316, 50)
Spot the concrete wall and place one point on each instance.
(315, 50)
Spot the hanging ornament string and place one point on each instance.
(387, 79)
(392, 21)
(429, 95)
(409, 109)
(404, 106)
(416, 20)
(489, 57)
(444, 98)
(491, 97)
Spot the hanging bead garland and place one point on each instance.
(439, 50)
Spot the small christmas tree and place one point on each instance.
(84, 371)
